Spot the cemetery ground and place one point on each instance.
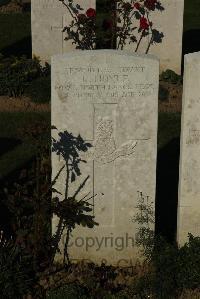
(25, 157)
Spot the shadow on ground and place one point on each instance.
(191, 43)
(8, 144)
(21, 47)
(167, 190)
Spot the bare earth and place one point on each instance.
(11, 7)
(22, 104)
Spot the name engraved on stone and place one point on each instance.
(110, 99)
(97, 83)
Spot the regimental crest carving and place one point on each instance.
(104, 149)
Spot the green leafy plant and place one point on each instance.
(171, 77)
(172, 269)
(71, 209)
(28, 202)
(39, 90)
(4, 2)
(145, 219)
(82, 28)
(16, 279)
(73, 291)
(188, 275)
(17, 73)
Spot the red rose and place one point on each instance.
(144, 23)
(91, 13)
(150, 4)
(136, 5)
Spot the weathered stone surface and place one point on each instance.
(170, 22)
(110, 98)
(189, 176)
(48, 18)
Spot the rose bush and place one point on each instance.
(128, 20)
(134, 23)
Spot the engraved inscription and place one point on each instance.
(102, 83)
(194, 137)
(46, 4)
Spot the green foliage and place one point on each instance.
(15, 34)
(17, 73)
(16, 278)
(71, 291)
(171, 77)
(39, 90)
(176, 268)
(145, 219)
(28, 128)
(4, 2)
(28, 202)
(188, 275)
(164, 277)
(173, 269)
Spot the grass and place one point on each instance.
(19, 147)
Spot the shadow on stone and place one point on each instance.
(167, 190)
(21, 47)
(8, 144)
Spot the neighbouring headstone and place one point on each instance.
(170, 22)
(48, 18)
(189, 176)
(110, 98)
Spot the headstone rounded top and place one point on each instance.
(192, 56)
(103, 52)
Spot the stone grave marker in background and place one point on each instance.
(189, 176)
(48, 18)
(110, 98)
(170, 22)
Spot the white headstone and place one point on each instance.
(170, 22)
(48, 18)
(189, 176)
(110, 98)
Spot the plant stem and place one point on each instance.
(63, 2)
(139, 42)
(151, 39)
